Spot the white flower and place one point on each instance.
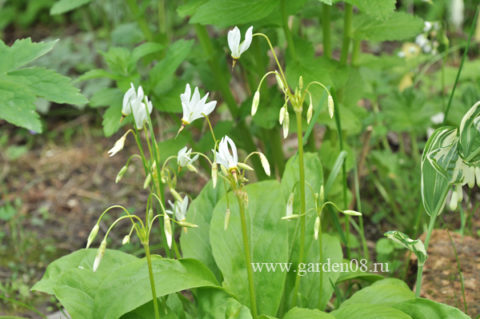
(184, 157)
(456, 13)
(138, 104)
(437, 118)
(234, 44)
(227, 153)
(118, 145)
(194, 107)
(179, 209)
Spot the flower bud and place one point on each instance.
(460, 192)
(227, 219)
(92, 235)
(469, 173)
(100, 253)
(147, 181)
(279, 82)
(255, 102)
(322, 193)
(245, 166)
(350, 212)
(286, 124)
(331, 106)
(316, 228)
(119, 144)
(265, 164)
(175, 194)
(300, 82)
(184, 223)
(214, 175)
(281, 116)
(167, 228)
(453, 201)
(126, 240)
(310, 111)
(120, 174)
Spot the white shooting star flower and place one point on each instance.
(138, 104)
(234, 44)
(195, 107)
(184, 158)
(227, 154)
(179, 209)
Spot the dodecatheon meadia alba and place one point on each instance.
(237, 47)
(136, 103)
(227, 154)
(194, 107)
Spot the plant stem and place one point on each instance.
(472, 29)
(359, 208)
(327, 38)
(141, 20)
(320, 243)
(286, 29)
(248, 257)
(301, 166)
(347, 30)
(152, 280)
(420, 268)
(355, 51)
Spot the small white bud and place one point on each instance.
(316, 228)
(255, 102)
(310, 111)
(460, 192)
(281, 116)
(147, 181)
(453, 201)
(477, 175)
(119, 144)
(350, 212)
(322, 193)
(331, 106)
(227, 219)
(265, 164)
(92, 235)
(286, 124)
(279, 82)
(120, 174)
(100, 253)
(300, 82)
(469, 172)
(214, 175)
(184, 223)
(167, 228)
(126, 240)
(192, 168)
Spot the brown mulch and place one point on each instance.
(441, 278)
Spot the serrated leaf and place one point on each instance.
(18, 106)
(398, 26)
(22, 52)
(225, 13)
(63, 6)
(375, 8)
(49, 85)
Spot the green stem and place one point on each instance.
(472, 29)
(152, 280)
(359, 208)
(141, 20)
(277, 150)
(347, 30)
(301, 165)
(162, 20)
(248, 257)
(327, 38)
(320, 244)
(420, 268)
(355, 52)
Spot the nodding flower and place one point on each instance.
(227, 154)
(195, 107)
(234, 44)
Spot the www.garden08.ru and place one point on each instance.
(354, 265)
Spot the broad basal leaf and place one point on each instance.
(470, 135)
(63, 6)
(268, 240)
(301, 313)
(398, 26)
(420, 308)
(367, 311)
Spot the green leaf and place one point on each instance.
(434, 184)
(128, 288)
(214, 303)
(49, 85)
(470, 135)
(18, 106)
(268, 243)
(329, 2)
(195, 242)
(384, 292)
(420, 308)
(415, 246)
(398, 26)
(22, 52)
(367, 311)
(63, 6)
(145, 49)
(224, 13)
(301, 313)
(375, 8)
(112, 119)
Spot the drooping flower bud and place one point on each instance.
(469, 173)
(147, 181)
(300, 82)
(119, 144)
(126, 239)
(167, 228)
(214, 175)
(120, 174)
(286, 124)
(92, 235)
(316, 228)
(100, 253)
(279, 82)
(453, 201)
(265, 164)
(350, 212)
(331, 106)
(245, 166)
(310, 111)
(255, 102)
